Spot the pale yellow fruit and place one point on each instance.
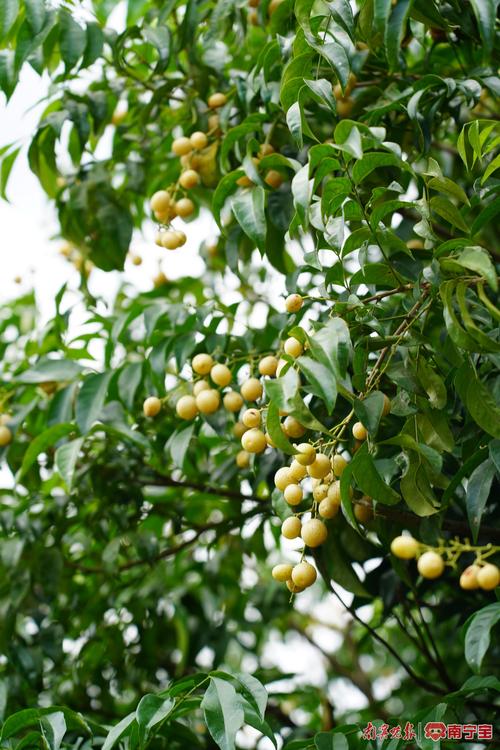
(151, 406)
(293, 494)
(304, 574)
(404, 547)
(338, 463)
(293, 347)
(5, 436)
(217, 100)
(136, 260)
(387, 406)
(297, 471)
(254, 441)
(430, 565)
(181, 237)
(320, 467)
(293, 428)
(468, 579)
(270, 441)
(239, 429)
(488, 577)
(291, 586)
(306, 454)
(359, 431)
(268, 366)
(320, 492)
(293, 303)
(265, 148)
(244, 181)
(282, 572)
(5, 419)
(202, 364)
(158, 238)
(186, 407)
(208, 401)
(333, 493)
(291, 527)
(169, 240)
(273, 178)
(189, 179)
(182, 146)
(251, 418)
(251, 390)
(242, 459)
(314, 532)
(283, 478)
(328, 508)
(159, 280)
(201, 385)
(221, 375)
(232, 401)
(344, 106)
(198, 140)
(363, 511)
(160, 201)
(184, 207)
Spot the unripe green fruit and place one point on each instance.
(430, 565)
(297, 471)
(251, 418)
(328, 508)
(306, 454)
(198, 140)
(468, 579)
(282, 572)
(359, 431)
(338, 463)
(5, 436)
(268, 366)
(304, 574)
(242, 459)
(182, 146)
(202, 364)
(293, 347)
(320, 467)
(186, 407)
(293, 303)
(221, 375)
(488, 577)
(293, 494)
(201, 385)
(251, 390)
(404, 547)
(208, 401)
(151, 406)
(232, 401)
(314, 532)
(291, 527)
(320, 492)
(293, 428)
(254, 441)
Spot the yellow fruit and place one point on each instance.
(291, 527)
(184, 207)
(254, 441)
(5, 436)
(136, 260)
(359, 431)
(488, 577)
(293, 494)
(404, 547)
(242, 459)
(270, 441)
(198, 140)
(320, 467)
(189, 179)
(251, 390)
(328, 508)
(415, 244)
(387, 406)
(244, 181)
(160, 201)
(268, 366)
(232, 401)
(186, 407)
(181, 237)
(200, 385)
(169, 240)
(363, 511)
(304, 574)
(216, 100)
(118, 115)
(338, 463)
(208, 401)
(221, 375)
(306, 454)
(239, 429)
(273, 178)
(158, 238)
(293, 347)
(159, 279)
(293, 428)
(293, 303)
(344, 106)
(468, 579)
(265, 148)
(334, 492)
(430, 565)
(5, 419)
(320, 491)
(291, 586)
(314, 532)
(251, 418)
(182, 146)
(297, 471)
(283, 478)
(151, 406)
(282, 572)
(213, 123)
(202, 364)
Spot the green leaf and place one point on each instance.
(73, 40)
(248, 208)
(284, 392)
(416, 488)
(66, 458)
(53, 728)
(7, 164)
(254, 692)
(322, 381)
(432, 384)
(478, 633)
(395, 30)
(478, 492)
(492, 167)
(445, 208)
(369, 410)
(485, 12)
(332, 345)
(445, 185)
(178, 444)
(8, 14)
(330, 741)
(90, 400)
(19, 722)
(479, 260)
(35, 14)
(120, 730)
(223, 712)
(152, 709)
(371, 161)
(369, 480)
(294, 123)
(478, 400)
(45, 440)
(47, 370)
(273, 426)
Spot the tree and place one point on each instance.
(347, 152)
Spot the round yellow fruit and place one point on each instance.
(251, 390)
(293, 494)
(244, 181)
(251, 418)
(136, 260)
(488, 577)
(430, 565)
(186, 407)
(159, 280)
(328, 508)
(293, 428)
(306, 454)
(189, 179)
(359, 431)
(221, 375)
(160, 201)
(297, 471)
(320, 492)
(283, 478)
(239, 429)
(363, 511)
(404, 547)
(232, 401)
(293, 303)
(202, 364)
(198, 140)
(333, 493)
(181, 237)
(254, 441)
(293, 347)
(304, 574)
(320, 467)
(242, 459)
(182, 146)
(265, 148)
(273, 178)
(314, 532)
(217, 100)
(151, 406)
(184, 207)
(338, 463)
(387, 406)
(282, 572)
(169, 239)
(468, 579)
(208, 401)
(5, 436)
(291, 527)
(268, 366)
(201, 385)
(291, 586)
